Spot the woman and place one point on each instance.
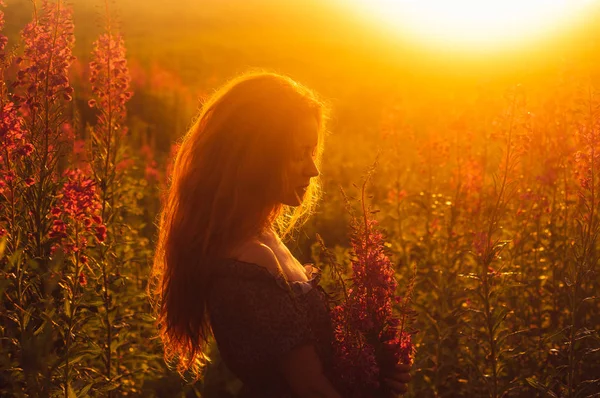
(245, 176)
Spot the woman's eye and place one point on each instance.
(300, 156)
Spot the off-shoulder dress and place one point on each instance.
(257, 317)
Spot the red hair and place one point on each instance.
(229, 167)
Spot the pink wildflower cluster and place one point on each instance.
(76, 217)
(368, 337)
(110, 80)
(14, 147)
(48, 42)
(12, 134)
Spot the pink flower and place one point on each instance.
(79, 197)
(101, 233)
(9, 176)
(77, 206)
(12, 137)
(47, 54)
(58, 229)
(82, 279)
(27, 149)
(110, 80)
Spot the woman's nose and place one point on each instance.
(311, 169)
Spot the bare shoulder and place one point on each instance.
(260, 254)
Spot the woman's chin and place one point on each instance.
(293, 201)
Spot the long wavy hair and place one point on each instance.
(229, 168)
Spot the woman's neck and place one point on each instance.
(269, 233)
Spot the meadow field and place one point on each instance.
(483, 181)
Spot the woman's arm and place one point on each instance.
(303, 371)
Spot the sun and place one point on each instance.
(472, 23)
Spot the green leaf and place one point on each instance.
(68, 307)
(26, 318)
(4, 284)
(84, 391)
(535, 384)
(2, 246)
(70, 392)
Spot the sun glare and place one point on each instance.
(473, 23)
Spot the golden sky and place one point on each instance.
(411, 39)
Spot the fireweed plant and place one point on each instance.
(110, 81)
(368, 335)
(122, 309)
(33, 111)
(70, 249)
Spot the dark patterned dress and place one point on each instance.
(256, 318)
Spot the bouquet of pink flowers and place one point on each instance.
(368, 336)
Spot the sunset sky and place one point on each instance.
(353, 39)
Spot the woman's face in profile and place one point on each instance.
(301, 167)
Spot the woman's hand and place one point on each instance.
(396, 379)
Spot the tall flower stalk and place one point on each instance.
(110, 84)
(493, 276)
